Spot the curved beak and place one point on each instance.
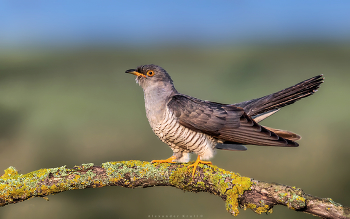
(135, 72)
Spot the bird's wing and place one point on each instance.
(225, 122)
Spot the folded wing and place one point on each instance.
(227, 123)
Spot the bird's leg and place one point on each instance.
(198, 161)
(169, 160)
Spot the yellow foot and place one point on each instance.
(169, 160)
(198, 161)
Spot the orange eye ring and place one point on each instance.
(150, 73)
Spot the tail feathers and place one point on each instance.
(282, 98)
(282, 133)
(285, 134)
(231, 146)
(251, 133)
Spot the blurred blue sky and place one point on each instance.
(42, 22)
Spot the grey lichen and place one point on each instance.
(237, 191)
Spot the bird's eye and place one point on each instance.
(150, 73)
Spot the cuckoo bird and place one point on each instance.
(188, 124)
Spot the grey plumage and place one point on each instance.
(188, 124)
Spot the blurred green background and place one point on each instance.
(66, 103)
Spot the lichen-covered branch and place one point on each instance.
(237, 191)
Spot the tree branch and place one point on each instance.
(235, 190)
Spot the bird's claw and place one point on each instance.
(195, 164)
(169, 160)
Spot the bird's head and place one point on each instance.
(151, 75)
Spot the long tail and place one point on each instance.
(285, 134)
(282, 98)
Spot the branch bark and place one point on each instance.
(237, 191)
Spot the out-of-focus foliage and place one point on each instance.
(69, 107)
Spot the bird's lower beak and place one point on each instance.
(135, 72)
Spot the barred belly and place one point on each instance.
(182, 139)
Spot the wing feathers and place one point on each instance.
(224, 122)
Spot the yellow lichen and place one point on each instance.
(177, 177)
(228, 185)
(250, 205)
(262, 209)
(224, 183)
(240, 184)
(9, 172)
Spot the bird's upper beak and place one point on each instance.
(135, 72)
